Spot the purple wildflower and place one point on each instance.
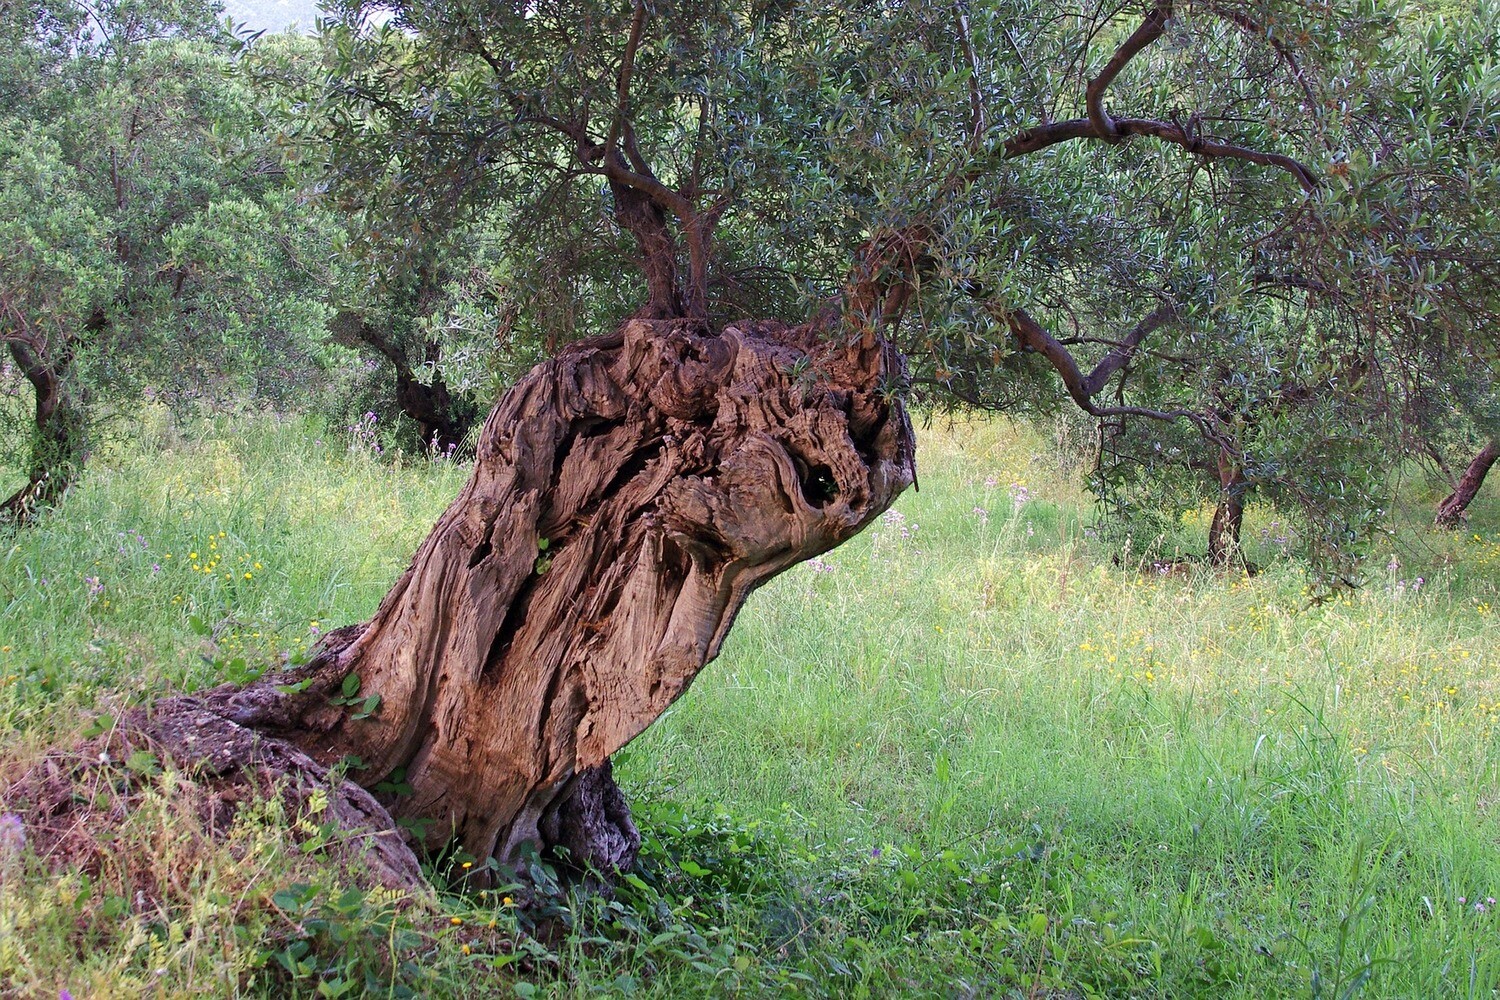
(12, 835)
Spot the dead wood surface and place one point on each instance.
(74, 800)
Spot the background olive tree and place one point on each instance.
(149, 242)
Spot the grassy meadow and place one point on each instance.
(966, 755)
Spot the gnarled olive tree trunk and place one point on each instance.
(59, 429)
(626, 499)
(1229, 514)
(1450, 512)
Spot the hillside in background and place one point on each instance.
(273, 15)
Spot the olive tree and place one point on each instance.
(146, 239)
(977, 201)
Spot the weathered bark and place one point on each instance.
(1450, 513)
(627, 497)
(1229, 515)
(59, 433)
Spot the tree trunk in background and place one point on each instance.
(626, 499)
(1450, 513)
(60, 433)
(441, 420)
(1229, 515)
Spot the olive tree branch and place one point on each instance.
(1251, 27)
(1149, 31)
(1098, 124)
(622, 126)
(1042, 136)
(976, 103)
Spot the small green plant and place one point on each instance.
(343, 943)
(365, 706)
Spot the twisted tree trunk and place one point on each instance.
(442, 421)
(59, 431)
(1450, 513)
(1229, 515)
(627, 498)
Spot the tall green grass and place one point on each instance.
(967, 754)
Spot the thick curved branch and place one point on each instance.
(1081, 388)
(45, 376)
(641, 206)
(697, 227)
(25, 351)
(1120, 355)
(40, 363)
(1150, 30)
(1039, 137)
(617, 170)
(1099, 125)
(1042, 136)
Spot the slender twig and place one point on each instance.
(622, 122)
(976, 103)
(1253, 28)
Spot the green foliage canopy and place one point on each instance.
(147, 241)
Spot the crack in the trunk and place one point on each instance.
(512, 623)
(544, 716)
(482, 550)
